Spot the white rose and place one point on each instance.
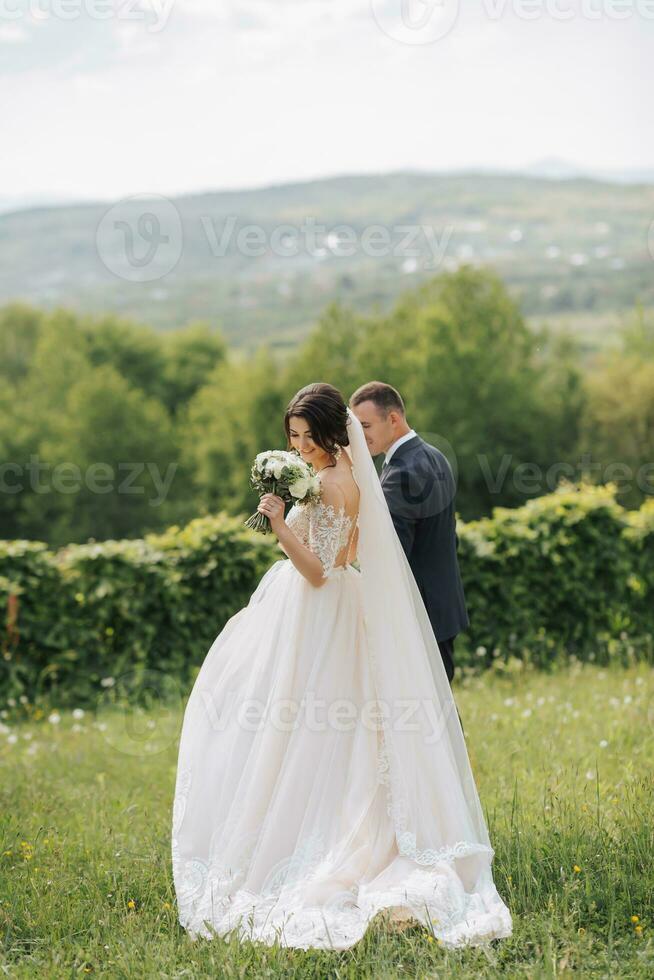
(276, 467)
(299, 488)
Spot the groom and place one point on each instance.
(419, 488)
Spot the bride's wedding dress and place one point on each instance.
(322, 772)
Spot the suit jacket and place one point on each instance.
(419, 487)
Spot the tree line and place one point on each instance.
(109, 429)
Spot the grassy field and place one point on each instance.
(564, 764)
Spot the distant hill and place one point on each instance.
(573, 246)
(557, 169)
(21, 202)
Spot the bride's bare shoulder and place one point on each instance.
(338, 482)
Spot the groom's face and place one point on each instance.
(379, 431)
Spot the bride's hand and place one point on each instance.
(273, 507)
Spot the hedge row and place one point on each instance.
(568, 573)
(90, 614)
(571, 572)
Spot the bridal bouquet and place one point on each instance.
(286, 475)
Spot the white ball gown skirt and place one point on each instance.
(282, 825)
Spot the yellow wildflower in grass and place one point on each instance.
(576, 869)
(430, 939)
(581, 931)
(638, 930)
(635, 919)
(131, 904)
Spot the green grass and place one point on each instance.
(85, 822)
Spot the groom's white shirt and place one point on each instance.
(398, 442)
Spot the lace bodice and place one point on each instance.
(323, 529)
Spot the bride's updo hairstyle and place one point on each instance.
(322, 406)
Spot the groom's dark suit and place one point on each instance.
(420, 491)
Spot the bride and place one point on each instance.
(323, 775)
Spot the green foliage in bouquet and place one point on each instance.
(286, 475)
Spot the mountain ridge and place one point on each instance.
(573, 246)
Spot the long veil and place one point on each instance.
(433, 799)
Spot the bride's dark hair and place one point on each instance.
(323, 407)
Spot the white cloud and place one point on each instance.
(13, 34)
(245, 92)
(133, 41)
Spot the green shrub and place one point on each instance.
(640, 581)
(568, 571)
(120, 603)
(102, 611)
(33, 633)
(215, 564)
(567, 574)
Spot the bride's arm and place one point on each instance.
(316, 561)
(304, 560)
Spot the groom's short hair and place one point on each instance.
(384, 396)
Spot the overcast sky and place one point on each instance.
(103, 98)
